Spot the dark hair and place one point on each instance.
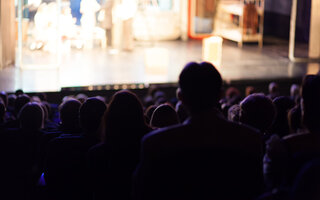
(257, 111)
(91, 112)
(200, 86)
(31, 116)
(280, 125)
(69, 113)
(164, 115)
(123, 116)
(20, 102)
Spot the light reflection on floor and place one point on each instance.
(101, 67)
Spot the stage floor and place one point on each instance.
(106, 67)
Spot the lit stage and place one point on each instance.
(108, 67)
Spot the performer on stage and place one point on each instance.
(107, 20)
(88, 8)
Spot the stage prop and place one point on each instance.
(212, 50)
(7, 33)
(314, 41)
(240, 21)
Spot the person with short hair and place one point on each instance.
(206, 157)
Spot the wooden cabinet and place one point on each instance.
(240, 21)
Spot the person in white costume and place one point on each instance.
(88, 8)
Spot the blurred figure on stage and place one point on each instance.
(88, 8)
(106, 23)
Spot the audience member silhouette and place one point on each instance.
(65, 165)
(285, 157)
(20, 159)
(280, 124)
(273, 90)
(148, 113)
(295, 92)
(19, 103)
(295, 120)
(234, 113)
(113, 162)
(164, 115)
(207, 157)
(69, 116)
(258, 111)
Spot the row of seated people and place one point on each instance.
(199, 147)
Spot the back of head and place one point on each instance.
(148, 113)
(125, 112)
(31, 116)
(273, 87)
(200, 86)
(294, 90)
(311, 106)
(258, 111)
(283, 105)
(164, 115)
(234, 113)
(20, 102)
(81, 97)
(91, 112)
(69, 113)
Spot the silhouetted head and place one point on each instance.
(310, 105)
(295, 119)
(250, 90)
(258, 111)
(2, 111)
(45, 111)
(164, 115)
(273, 87)
(20, 102)
(232, 93)
(4, 97)
(81, 97)
(273, 90)
(91, 112)
(69, 114)
(31, 116)
(200, 87)
(294, 91)
(19, 92)
(234, 113)
(123, 116)
(42, 96)
(148, 113)
(283, 105)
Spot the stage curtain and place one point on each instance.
(7, 33)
